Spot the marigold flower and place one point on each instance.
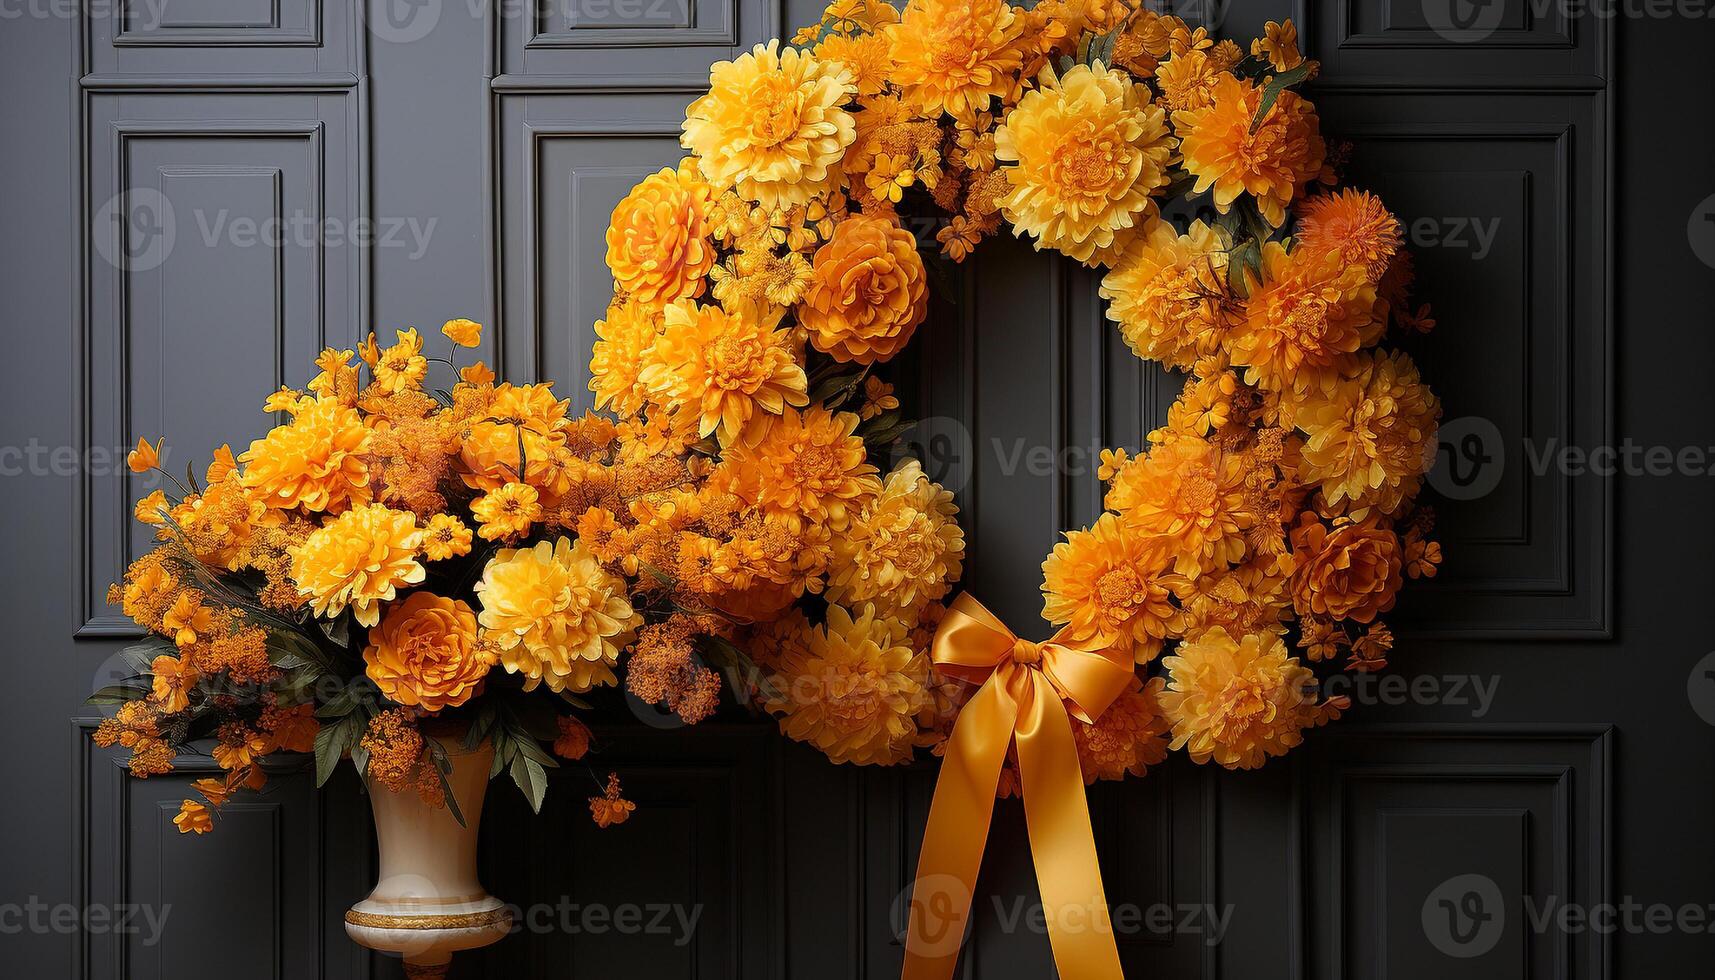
(476, 374)
(525, 419)
(1106, 584)
(1356, 224)
(903, 550)
(171, 681)
(1371, 439)
(658, 245)
(1091, 151)
(1187, 81)
(1128, 738)
(556, 614)
(1304, 322)
(193, 817)
(360, 559)
(1272, 164)
(811, 467)
(463, 332)
(851, 687)
(1350, 570)
(1279, 44)
(773, 125)
(402, 366)
(507, 511)
(1169, 293)
(868, 57)
(956, 56)
(315, 461)
(424, 654)
(868, 291)
(186, 617)
(610, 808)
(1190, 497)
(1237, 702)
(445, 536)
(732, 373)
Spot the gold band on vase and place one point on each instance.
(461, 920)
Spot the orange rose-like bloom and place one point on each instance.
(956, 55)
(424, 654)
(1272, 164)
(658, 245)
(1349, 571)
(868, 291)
(314, 461)
(519, 414)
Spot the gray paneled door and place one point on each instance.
(199, 194)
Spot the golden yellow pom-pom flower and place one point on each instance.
(1304, 322)
(773, 125)
(506, 511)
(445, 536)
(315, 461)
(1169, 293)
(1128, 738)
(731, 372)
(1187, 81)
(424, 653)
(658, 245)
(1371, 439)
(903, 550)
(1189, 497)
(810, 467)
(527, 416)
(358, 559)
(1272, 164)
(868, 57)
(1351, 570)
(1355, 223)
(868, 291)
(851, 687)
(956, 55)
(556, 615)
(1106, 584)
(1090, 150)
(1237, 702)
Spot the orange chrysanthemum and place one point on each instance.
(1305, 321)
(851, 687)
(556, 615)
(903, 550)
(956, 55)
(732, 373)
(358, 559)
(868, 57)
(621, 351)
(773, 125)
(518, 416)
(1169, 294)
(1106, 584)
(315, 461)
(811, 466)
(1128, 738)
(1371, 439)
(424, 653)
(658, 244)
(1190, 497)
(1271, 164)
(1356, 224)
(1091, 151)
(1237, 702)
(1348, 571)
(868, 291)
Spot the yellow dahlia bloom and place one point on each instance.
(1187, 81)
(811, 467)
(773, 125)
(424, 654)
(1106, 584)
(1090, 151)
(556, 615)
(1354, 222)
(731, 372)
(1272, 164)
(851, 687)
(867, 56)
(1370, 440)
(527, 414)
(314, 461)
(1169, 293)
(868, 291)
(956, 56)
(621, 351)
(658, 244)
(1238, 702)
(1190, 497)
(903, 550)
(1305, 321)
(1128, 738)
(358, 559)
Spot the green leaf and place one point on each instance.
(1276, 85)
(443, 768)
(531, 779)
(480, 726)
(117, 694)
(337, 630)
(332, 744)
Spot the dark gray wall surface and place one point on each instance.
(1556, 167)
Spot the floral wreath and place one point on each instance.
(396, 553)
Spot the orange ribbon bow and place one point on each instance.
(1030, 692)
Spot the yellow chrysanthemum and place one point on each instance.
(956, 55)
(1090, 151)
(1237, 702)
(658, 245)
(402, 366)
(851, 687)
(555, 614)
(903, 550)
(867, 56)
(623, 340)
(773, 125)
(1128, 738)
(1190, 497)
(506, 511)
(1371, 439)
(733, 373)
(1188, 80)
(1271, 164)
(445, 536)
(1305, 321)
(314, 461)
(1169, 293)
(1106, 584)
(1355, 223)
(358, 559)
(810, 467)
